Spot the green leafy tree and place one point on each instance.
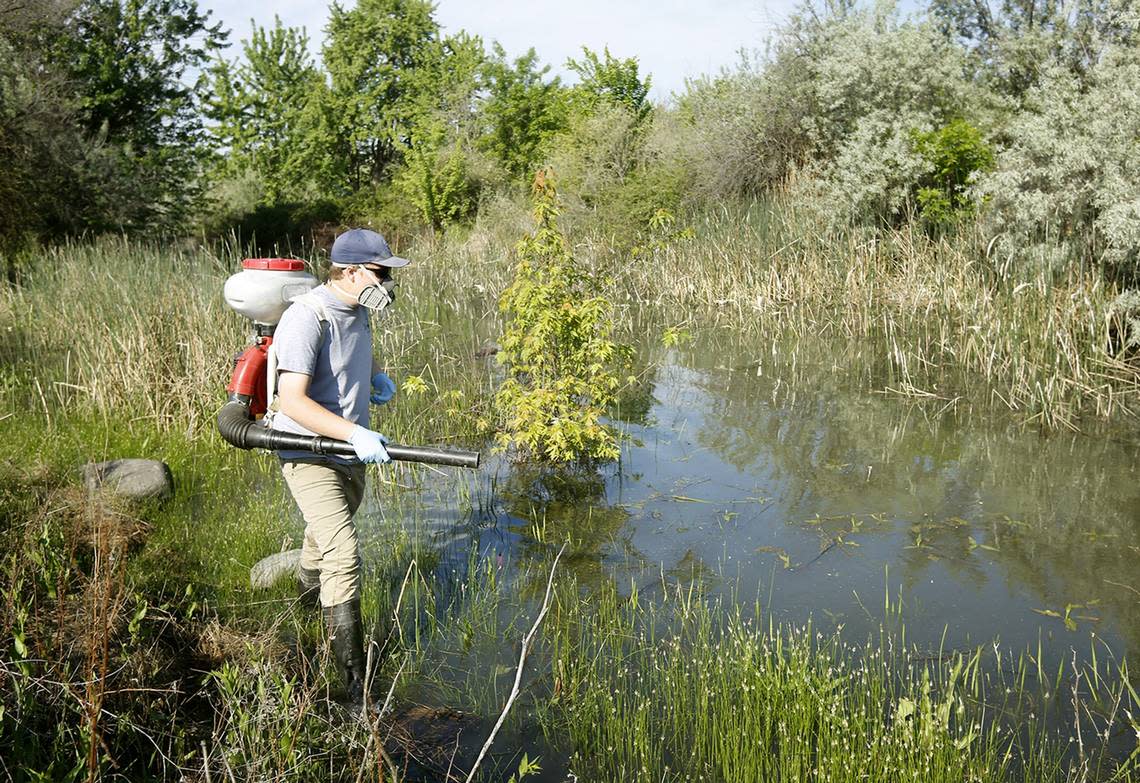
(611, 80)
(436, 174)
(436, 177)
(137, 67)
(62, 173)
(562, 362)
(955, 154)
(258, 106)
(373, 53)
(1013, 42)
(522, 111)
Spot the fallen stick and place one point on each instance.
(518, 672)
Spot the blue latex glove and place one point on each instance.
(383, 389)
(369, 446)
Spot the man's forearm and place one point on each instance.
(315, 417)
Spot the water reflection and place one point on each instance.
(991, 529)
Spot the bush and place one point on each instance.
(444, 177)
(1065, 188)
(558, 349)
(954, 155)
(736, 132)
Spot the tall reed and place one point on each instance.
(949, 322)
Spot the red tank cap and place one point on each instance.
(274, 264)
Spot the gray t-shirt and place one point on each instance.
(337, 359)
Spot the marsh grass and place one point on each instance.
(686, 688)
(951, 322)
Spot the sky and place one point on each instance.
(672, 39)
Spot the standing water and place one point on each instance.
(776, 478)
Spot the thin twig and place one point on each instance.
(372, 734)
(519, 671)
(400, 598)
(206, 762)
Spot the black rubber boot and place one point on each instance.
(346, 634)
(308, 588)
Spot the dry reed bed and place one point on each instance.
(947, 322)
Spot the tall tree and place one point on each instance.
(1015, 41)
(258, 106)
(435, 173)
(372, 53)
(137, 66)
(522, 110)
(611, 80)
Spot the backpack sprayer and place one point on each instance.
(261, 292)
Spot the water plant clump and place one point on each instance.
(685, 689)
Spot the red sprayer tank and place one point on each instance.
(261, 292)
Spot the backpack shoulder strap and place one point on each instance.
(314, 303)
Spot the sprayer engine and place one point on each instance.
(261, 292)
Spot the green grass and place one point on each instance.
(687, 689)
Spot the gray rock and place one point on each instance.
(268, 570)
(135, 479)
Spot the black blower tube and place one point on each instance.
(239, 429)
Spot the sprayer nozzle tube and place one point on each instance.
(238, 428)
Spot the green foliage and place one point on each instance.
(259, 110)
(130, 62)
(739, 133)
(438, 181)
(654, 188)
(1014, 44)
(522, 111)
(373, 52)
(1064, 188)
(558, 349)
(527, 767)
(608, 79)
(867, 79)
(955, 153)
(99, 125)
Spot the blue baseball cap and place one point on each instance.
(364, 246)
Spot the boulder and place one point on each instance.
(268, 570)
(134, 479)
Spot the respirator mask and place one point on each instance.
(375, 297)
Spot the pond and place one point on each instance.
(792, 480)
(778, 474)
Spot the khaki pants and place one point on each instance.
(328, 495)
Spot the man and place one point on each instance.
(325, 374)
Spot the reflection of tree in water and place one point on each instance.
(547, 508)
(1058, 514)
(635, 402)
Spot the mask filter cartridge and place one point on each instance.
(378, 297)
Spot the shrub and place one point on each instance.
(737, 133)
(438, 181)
(1065, 188)
(954, 154)
(558, 349)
